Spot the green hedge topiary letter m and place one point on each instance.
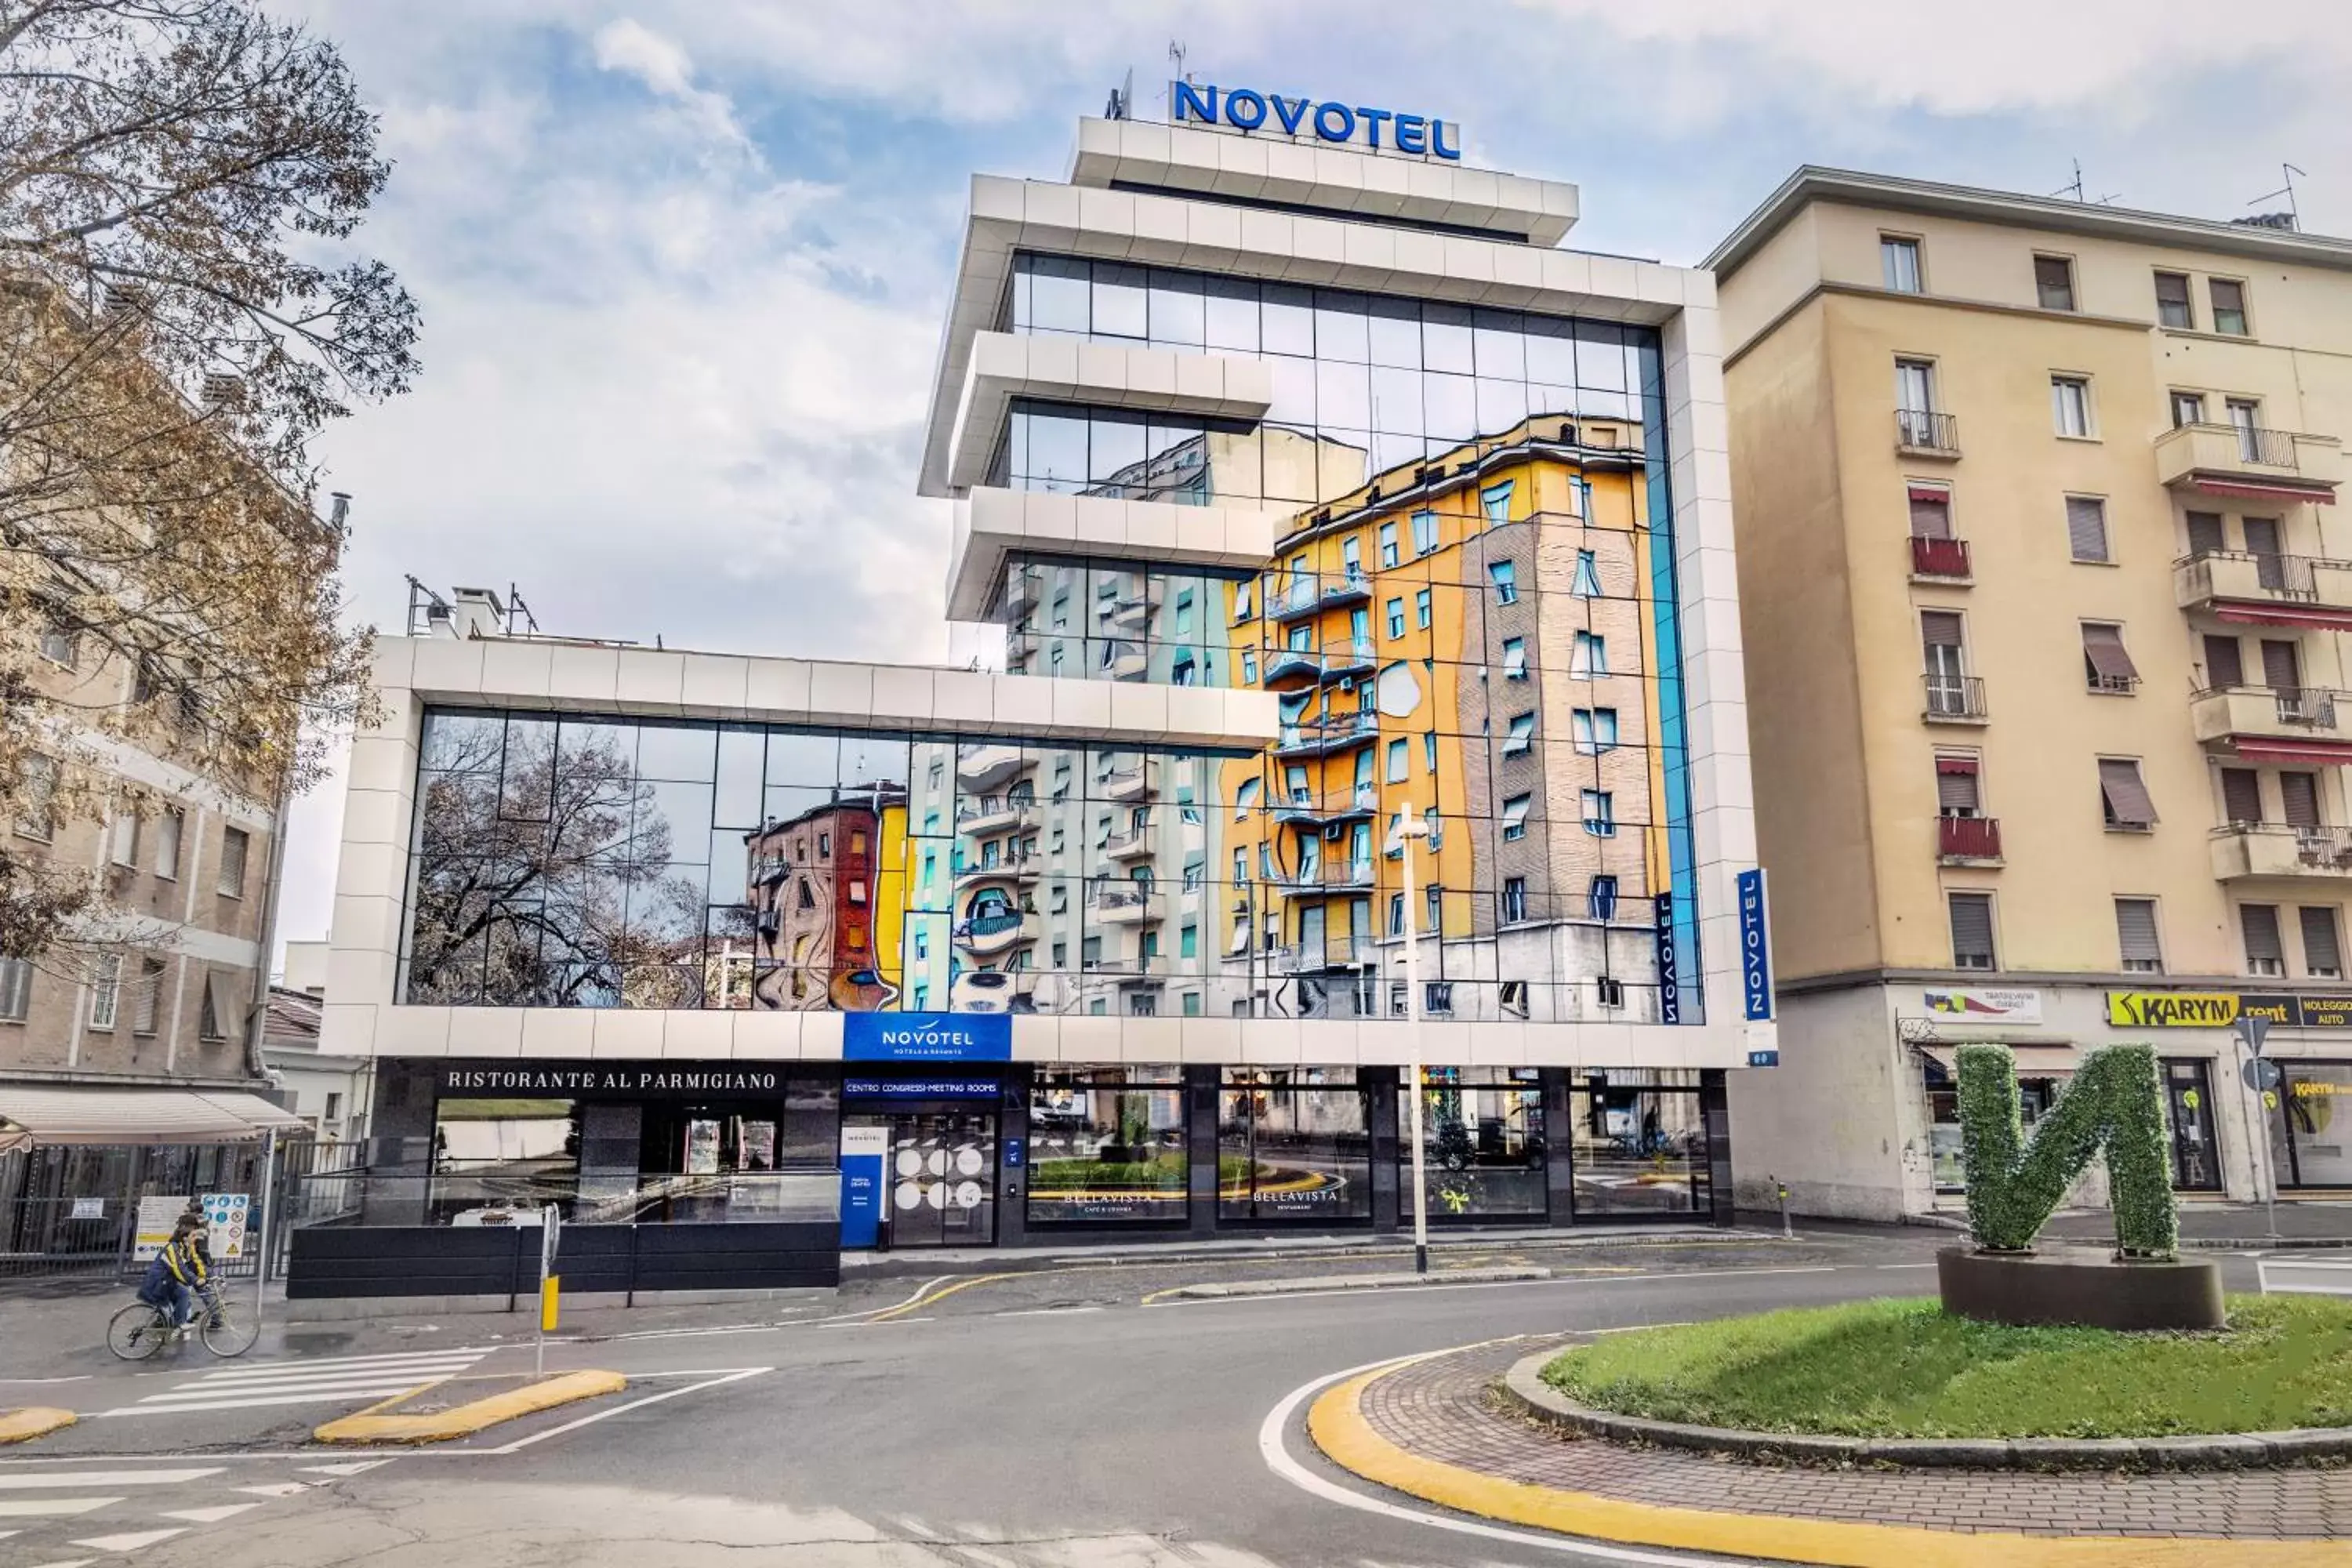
(2115, 1102)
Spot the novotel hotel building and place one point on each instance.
(1322, 493)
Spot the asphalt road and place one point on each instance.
(1075, 1417)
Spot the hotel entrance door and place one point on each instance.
(942, 1179)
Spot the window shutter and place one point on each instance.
(2299, 793)
(1939, 628)
(2205, 534)
(2320, 949)
(1931, 512)
(2225, 664)
(1972, 929)
(2262, 535)
(2127, 801)
(2241, 794)
(2259, 923)
(2135, 931)
(1955, 785)
(2282, 671)
(2086, 528)
(2103, 648)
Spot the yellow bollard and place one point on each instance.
(548, 1288)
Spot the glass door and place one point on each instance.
(943, 1176)
(2189, 1107)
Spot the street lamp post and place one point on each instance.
(1410, 827)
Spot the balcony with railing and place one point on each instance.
(1015, 865)
(2252, 587)
(1339, 657)
(1955, 699)
(994, 932)
(1314, 808)
(2248, 462)
(1126, 784)
(1941, 561)
(1134, 903)
(1132, 842)
(980, 766)
(1303, 593)
(1336, 732)
(1925, 432)
(1314, 958)
(1968, 840)
(995, 813)
(2274, 723)
(1322, 880)
(2242, 849)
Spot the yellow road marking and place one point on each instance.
(941, 1295)
(1337, 1424)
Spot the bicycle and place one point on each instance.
(141, 1329)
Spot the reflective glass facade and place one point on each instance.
(1108, 620)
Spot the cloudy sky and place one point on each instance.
(683, 262)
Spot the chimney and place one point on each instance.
(340, 507)
(477, 613)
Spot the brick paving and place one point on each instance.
(1440, 1409)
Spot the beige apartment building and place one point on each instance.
(2044, 599)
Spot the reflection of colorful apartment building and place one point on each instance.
(1469, 640)
(817, 902)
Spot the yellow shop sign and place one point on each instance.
(2172, 1009)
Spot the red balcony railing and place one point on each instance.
(1969, 837)
(1939, 557)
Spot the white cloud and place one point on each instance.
(630, 47)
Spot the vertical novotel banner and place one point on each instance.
(863, 1150)
(1670, 985)
(1382, 129)
(927, 1036)
(1755, 946)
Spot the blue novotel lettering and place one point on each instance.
(927, 1036)
(1244, 109)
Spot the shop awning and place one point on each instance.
(2319, 491)
(2032, 1061)
(2255, 748)
(67, 1113)
(2245, 614)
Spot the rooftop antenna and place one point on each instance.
(2075, 188)
(520, 620)
(2293, 213)
(1122, 99)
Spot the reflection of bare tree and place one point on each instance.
(552, 887)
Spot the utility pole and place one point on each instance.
(1410, 827)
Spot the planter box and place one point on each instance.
(2080, 1286)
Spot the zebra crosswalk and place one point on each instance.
(306, 1380)
(70, 1517)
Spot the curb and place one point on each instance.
(35, 1421)
(1336, 1424)
(1356, 1282)
(910, 1263)
(464, 1420)
(1524, 1388)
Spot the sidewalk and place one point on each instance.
(2302, 1221)
(1430, 1428)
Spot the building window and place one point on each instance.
(1522, 735)
(2069, 406)
(58, 644)
(1241, 611)
(1589, 656)
(2322, 953)
(2246, 419)
(1396, 915)
(1245, 795)
(1434, 909)
(1400, 761)
(1249, 666)
(1514, 662)
(2105, 666)
(1505, 575)
(1429, 751)
(1389, 556)
(105, 989)
(1514, 899)
(1601, 899)
(2188, 408)
(2228, 306)
(1600, 814)
(1425, 532)
(123, 847)
(2087, 528)
(1595, 729)
(1957, 777)
(1586, 583)
(1931, 511)
(1421, 608)
(1514, 816)
(1943, 647)
(1494, 502)
(2265, 954)
(36, 795)
(212, 1017)
(147, 996)
(2135, 936)
(1396, 617)
(15, 989)
(2124, 797)
(234, 842)
(2172, 309)
(1972, 915)
(1898, 263)
(1183, 611)
(2053, 282)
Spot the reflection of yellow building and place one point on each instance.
(1469, 639)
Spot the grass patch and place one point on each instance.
(1907, 1369)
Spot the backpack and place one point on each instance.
(156, 1288)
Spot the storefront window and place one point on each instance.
(2314, 1120)
(495, 1158)
(1950, 1168)
(1106, 1145)
(1639, 1144)
(1481, 1139)
(1293, 1143)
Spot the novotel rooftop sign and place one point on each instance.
(1384, 130)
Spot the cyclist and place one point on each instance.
(186, 1264)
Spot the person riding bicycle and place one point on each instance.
(182, 1266)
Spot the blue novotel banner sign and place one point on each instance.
(1755, 946)
(1670, 985)
(927, 1038)
(1384, 130)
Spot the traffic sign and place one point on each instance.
(2261, 1073)
(2252, 1028)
